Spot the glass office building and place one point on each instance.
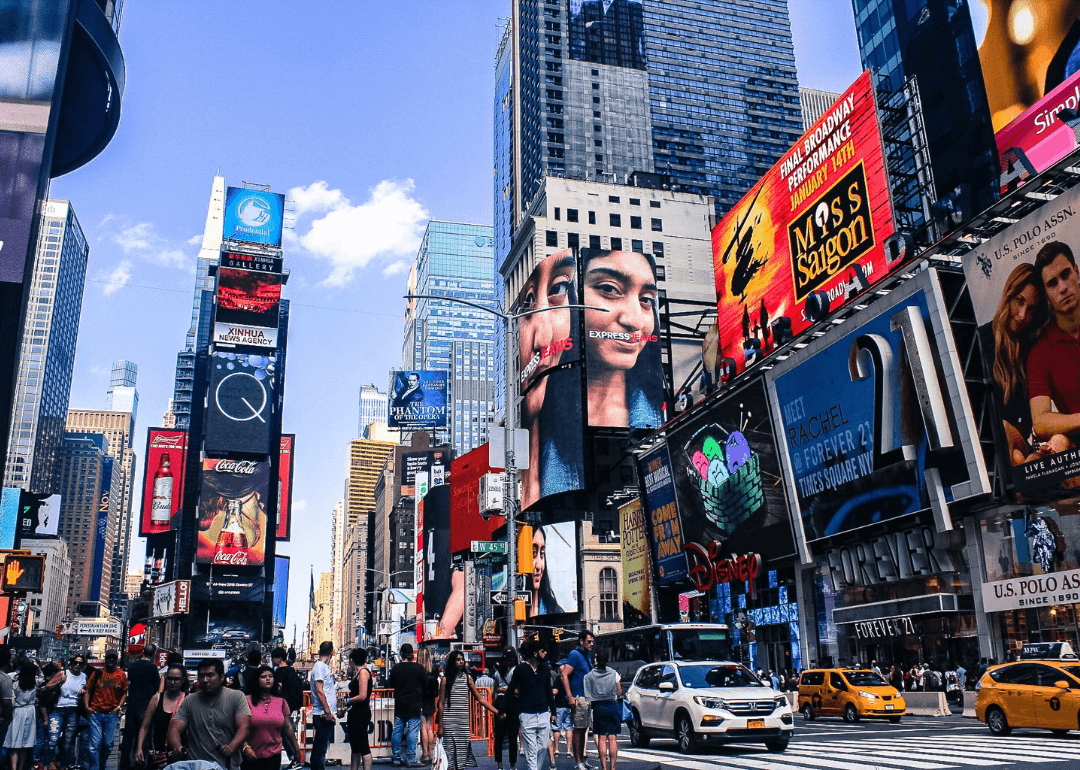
(373, 408)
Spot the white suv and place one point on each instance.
(698, 701)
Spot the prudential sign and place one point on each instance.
(253, 216)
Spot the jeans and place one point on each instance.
(324, 728)
(63, 727)
(132, 723)
(506, 729)
(411, 726)
(39, 741)
(535, 735)
(102, 735)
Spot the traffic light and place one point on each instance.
(23, 573)
(525, 549)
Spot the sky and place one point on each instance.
(373, 118)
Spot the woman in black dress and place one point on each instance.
(159, 713)
(360, 685)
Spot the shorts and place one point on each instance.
(564, 722)
(582, 713)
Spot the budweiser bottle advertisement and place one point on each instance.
(161, 506)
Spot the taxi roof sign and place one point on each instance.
(1048, 651)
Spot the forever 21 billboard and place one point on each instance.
(240, 403)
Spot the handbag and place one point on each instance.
(627, 714)
(439, 760)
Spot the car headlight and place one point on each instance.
(780, 702)
(710, 703)
(867, 695)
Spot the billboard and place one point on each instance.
(163, 479)
(101, 528)
(466, 523)
(611, 32)
(247, 308)
(811, 233)
(874, 417)
(549, 378)
(623, 366)
(432, 463)
(9, 516)
(281, 589)
(240, 403)
(1025, 289)
(636, 570)
(553, 587)
(40, 514)
(665, 530)
(253, 216)
(1044, 134)
(417, 400)
(173, 598)
(243, 260)
(284, 488)
(232, 513)
(444, 581)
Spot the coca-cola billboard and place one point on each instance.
(163, 480)
(232, 513)
(285, 474)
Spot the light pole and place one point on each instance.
(510, 493)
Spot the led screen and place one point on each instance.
(232, 513)
(253, 216)
(285, 481)
(240, 403)
(163, 480)
(553, 586)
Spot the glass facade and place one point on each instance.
(373, 407)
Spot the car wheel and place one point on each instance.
(778, 745)
(638, 738)
(851, 714)
(996, 721)
(895, 720)
(684, 734)
(808, 712)
(1060, 733)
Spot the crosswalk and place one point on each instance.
(951, 750)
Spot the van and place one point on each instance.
(849, 693)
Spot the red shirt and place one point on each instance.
(1053, 369)
(267, 719)
(106, 690)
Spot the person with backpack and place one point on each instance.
(507, 726)
(106, 693)
(287, 680)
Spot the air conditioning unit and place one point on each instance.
(490, 500)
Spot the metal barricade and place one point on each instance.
(482, 725)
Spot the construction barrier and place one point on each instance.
(927, 704)
(969, 703)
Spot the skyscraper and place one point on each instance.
(47, 357)
(373, 407)
(366, 461)
(122, 395)
(814, 104)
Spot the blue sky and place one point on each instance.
(376, 116)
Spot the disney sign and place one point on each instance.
(708, 567)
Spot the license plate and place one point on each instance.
(889, 707)
(755, 724)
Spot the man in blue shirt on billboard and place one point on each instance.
(578, 664)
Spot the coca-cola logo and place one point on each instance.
(240, 467)
(234, 559)
(167, 441)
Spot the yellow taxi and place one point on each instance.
(1041, 690)
(851, 693)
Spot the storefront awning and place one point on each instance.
(895, 608)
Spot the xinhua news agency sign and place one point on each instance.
(1035, 591)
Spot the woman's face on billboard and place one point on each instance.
(1022, 308)
(539, 558)
(623, 283)
(550, 285)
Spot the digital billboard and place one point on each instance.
(101, 528)
(281, 589)
(810, 234)
(623, 365)
(240, 403)
(417, 400)
(444, 581)
(248, 304)
(874, 418)
(285, 483)
(662, 514)
(1044, 134)
(253, 216)
(249, 260)
(163, 479)
(611, 32)
(553, 586)
(466, 523)
(1025, 288)
(232, 513)
(636, 570)
(431, 462)
(9, 516)
(549, 378)
(40, 514)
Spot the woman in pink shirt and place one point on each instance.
(269, 724)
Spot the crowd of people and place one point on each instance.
(924, 677)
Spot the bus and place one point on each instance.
(632, 648)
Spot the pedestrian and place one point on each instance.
(604, 691)
(159, 713)
(579, 663)
(875, 667)
(64, 720)
(774, 680)
(896, 678)
(22, 732)
(323, 705)
(106, 693)
(407, 680)
(211, 724)
(360, 686)
(487, 679)
(6, 691)
(288, 681)
(455, 712)
(961, 675)
(530, 687)
(427, 704)
(271, 729)
(292, 655)
(143, 682)
(48, 694)
(564, 722)
(507, 726)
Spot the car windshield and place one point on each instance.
(865, 679)
(1074, 670)
(702, 677)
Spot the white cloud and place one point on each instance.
(143, 241)
(401, 266)
(115, 279)
(195, 240)
(389, 225)
(299, 505)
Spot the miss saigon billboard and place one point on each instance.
(809, 235)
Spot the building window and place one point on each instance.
(655, 204)
(571, 215)
(596, 113)
(598, 142)
(557, 213)
(616, 244)
(657, 225)
(572, 240)
(596, 86)
(635, 223)
(615, 220)
(592, 217)
(658, 248)
(552, 238)
(596, 73)
(594, 241)
(599, 158)
(637, 246)
(661, 273)
(635, 201)
(596, 100)
(613, 199)
(609, 595)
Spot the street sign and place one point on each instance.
(485, 546)
(519, 438)
(98, 628)
(500, 597)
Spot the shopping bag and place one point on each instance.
(627, 714)
(439, 760)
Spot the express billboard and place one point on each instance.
(466, 523)
(1025, 289)
(874, 418)
(417, 400)
(284, 488)
(232, 513)
(240, 403)
(253, 216)
(248, 308)
(812, 232)
(163, 479)
(623, 364)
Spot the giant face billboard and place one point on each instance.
(874, 418)
(248, 304)
(163, 479)
(553, 586)
(810, 234)
(444, 581)
(417, 400)
(1025, 289)
(549, 378)
(285, 482)
(624, 370)
(240, 403)
(253, 216)
(611, 32)
(232, 513)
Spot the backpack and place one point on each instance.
(935, 678)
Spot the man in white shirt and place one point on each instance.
(323, 704)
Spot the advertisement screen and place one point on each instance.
(1024, 286)
(636, 571)
(232, 513)
(247, 302)
(9, 516)
(163, 479)
(872, 409)
(285, 482)
(412, 463)
(662, 515)
(240, 260)
(444, 581)
(466, 523)
(611, 32)
(240, 403)
(41, 514)
(553, 588)
(101, 528)
(253, 216)
(549, 379)
(281, 589)
(1044, 134)
(220, 631)
(625, 375)
(417, 400)
(813, 230)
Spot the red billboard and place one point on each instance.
(466, 523)
(1041, 136)
(232, 513)
(163, 479)
(285, 481)
(809, 234)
